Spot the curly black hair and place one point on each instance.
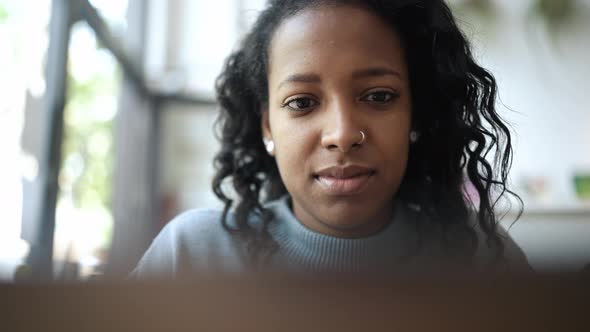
(453, 108)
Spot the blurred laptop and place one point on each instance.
(302, 303)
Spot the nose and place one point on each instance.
(342, 129)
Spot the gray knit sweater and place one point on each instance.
(196, 242)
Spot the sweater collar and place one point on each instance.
(312, 250)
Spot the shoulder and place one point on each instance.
(194, 240)
(514, 258)
(193, 225)
(514, 255)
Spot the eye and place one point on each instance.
(300, 103)
(381, 96)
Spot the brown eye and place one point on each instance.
(300, 104)
(379, 96)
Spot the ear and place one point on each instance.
(265, 125)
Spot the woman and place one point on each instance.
(348, 131)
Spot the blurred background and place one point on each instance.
(107, 111)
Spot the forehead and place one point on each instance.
(334, 35)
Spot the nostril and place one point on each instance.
(343, 148)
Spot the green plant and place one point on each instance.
(88, 142)
(480, 13)
(483, 8)
(555, 13)
(3, 14)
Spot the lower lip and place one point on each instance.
(348, 186)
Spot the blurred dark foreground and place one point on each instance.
(303, 303)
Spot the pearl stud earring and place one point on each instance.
(269, 145)
(414, 135)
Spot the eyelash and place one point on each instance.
(391, 96)
(289, 101)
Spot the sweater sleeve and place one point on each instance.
(193, 242)
(514, 259)
(160, 259)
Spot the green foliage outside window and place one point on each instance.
(88, 152)
(3, 14)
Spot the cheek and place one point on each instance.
(294, 145)
(399, 161)
(395, 145)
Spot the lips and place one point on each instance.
(344, 180)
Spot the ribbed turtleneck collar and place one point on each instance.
(306, 249)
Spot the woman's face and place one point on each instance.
(334, 72)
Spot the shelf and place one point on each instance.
(569, 209)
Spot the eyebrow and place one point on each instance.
(375, 71)
(301, 78)
(363, 73)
